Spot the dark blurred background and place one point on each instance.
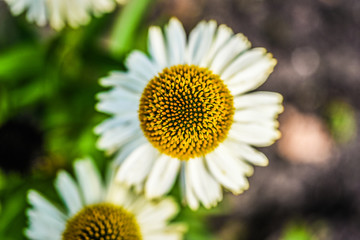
(311, 188)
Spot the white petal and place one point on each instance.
(41, 204)
(118, 101)
(223, 34)
(127, 149)
(89, 181)
(243, 61)
(75, 12)
(162, 176)
(164, 236)
(194, 182)
(187, 188)
(41, 234)
(101, 6)
(120, 94)
(194, 43)
(257, 98)
(17, 7)
(262, 115)
(252, 77)
(235, 160)
(110, 123)
(247, 153)
(200, 40)
(114, 79)
(37, 12)
(117, 137)
(204, 186)
(138, 62)
(119, 194)
(153, 215)
(169, 231)
(55, 12)
(44, 224)
(262, 112)
(129, 81)
(253, 134)
(220, 175)
(137, 165)
(227, 170)
(127, 110)
(228, 52)
(176, 40)
(157, 47)
(138, 205)
(69, 192)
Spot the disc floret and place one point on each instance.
(102, 222)
(186, 111)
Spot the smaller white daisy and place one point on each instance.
(60, 12)
(97, 210)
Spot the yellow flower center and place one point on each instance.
(186, 111)
(102, 222)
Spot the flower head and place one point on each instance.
(187, 108)
(60, 12)
(98, 210)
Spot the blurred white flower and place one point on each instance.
(98, 210)
(58, 13)
(186, 109)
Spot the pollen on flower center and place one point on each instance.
(101, 222)
(186, 111)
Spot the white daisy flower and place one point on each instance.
(96, 210)
(187, 108)
(60, 12)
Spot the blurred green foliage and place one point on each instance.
(198, 227)
(342, 121)
(297, 231)
(12, 61)
(52, 78)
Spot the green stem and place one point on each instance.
(125, 26)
